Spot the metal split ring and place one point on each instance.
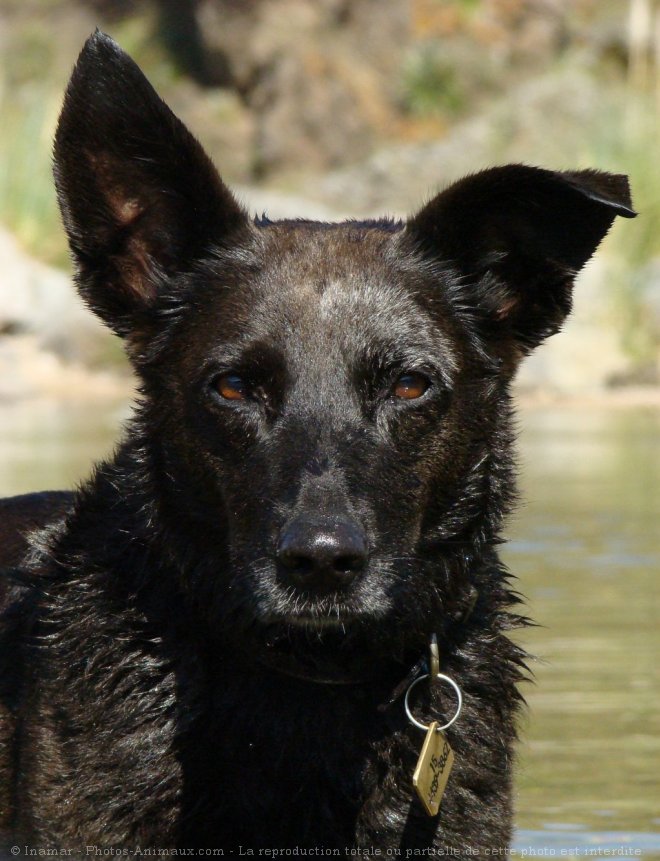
(438, 677)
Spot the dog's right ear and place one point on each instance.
(140, 200)
(517, 236)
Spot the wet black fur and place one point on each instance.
(164, 684)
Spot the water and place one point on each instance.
(586, 546)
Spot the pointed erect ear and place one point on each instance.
(518, 236)
(139, 198)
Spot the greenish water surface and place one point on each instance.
(585, 542)
(586, 546)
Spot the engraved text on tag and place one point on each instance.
(433, 769)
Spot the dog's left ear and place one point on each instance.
(141, 201)
(518, 236)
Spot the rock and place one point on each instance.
(225, 126)
(38, 300)
(397, 179)
(28, 371)
(276, 204)
(588, 352)
(48, 339)
(318, 77)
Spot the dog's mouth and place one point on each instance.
(322, 653)
(311, 612)
(313, 617)
(328, 655)
(327, 639)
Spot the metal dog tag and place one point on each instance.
(433, 768)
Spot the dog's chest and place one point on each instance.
(302, 773)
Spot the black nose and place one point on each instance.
(322, 554)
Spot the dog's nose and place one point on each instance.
(320, 554)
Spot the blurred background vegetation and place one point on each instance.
(364, 106)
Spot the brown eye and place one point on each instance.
(231, 387)
(410, 386)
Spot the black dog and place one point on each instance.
(209, 643)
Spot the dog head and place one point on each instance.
(324, 415)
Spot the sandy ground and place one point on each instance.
(614, 398)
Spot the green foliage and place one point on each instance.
(626, 141)
(28, 205)
(431, 86)
(32, 83)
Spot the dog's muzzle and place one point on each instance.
(320, 555)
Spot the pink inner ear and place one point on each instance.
(506, 308)
(135, 271)
(133, 263)
(106, 168)
(126, 210)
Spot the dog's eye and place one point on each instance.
(410, 386)
(231, 387)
